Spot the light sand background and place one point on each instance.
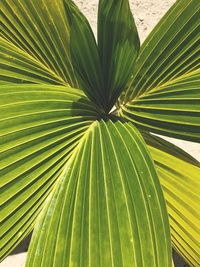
(146, 13)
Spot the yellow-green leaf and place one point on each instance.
(108, 209)
(37, 35)
(40, 126)
(180, 178)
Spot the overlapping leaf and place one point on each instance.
(85, 55)
(39, 127)
(172, 111)
(103, 70)
(108, 206)
(37, 32)
(118, 44)
(170, 51)
(180, 178)
(164, 95)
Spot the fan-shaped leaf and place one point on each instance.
(180, 178)
(170, 52)
(17, 66)
(164, 96)
(39, 128)
(37, 31)
(172, 111)
(108, 209)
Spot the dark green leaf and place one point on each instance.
(85, 56)
(118, 44)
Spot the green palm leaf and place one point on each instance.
(40, 31)
(86, 172)
(180, 178)
(118, 44)
(164, 94)
(39, 128)
(17, 66)
(85, 56)
(108, 205)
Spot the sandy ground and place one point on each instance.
(17, 260)
(147, 13)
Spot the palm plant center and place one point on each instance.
(82, 163)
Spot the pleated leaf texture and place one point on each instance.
(179, 177)
(80, 165)
(164, 93)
